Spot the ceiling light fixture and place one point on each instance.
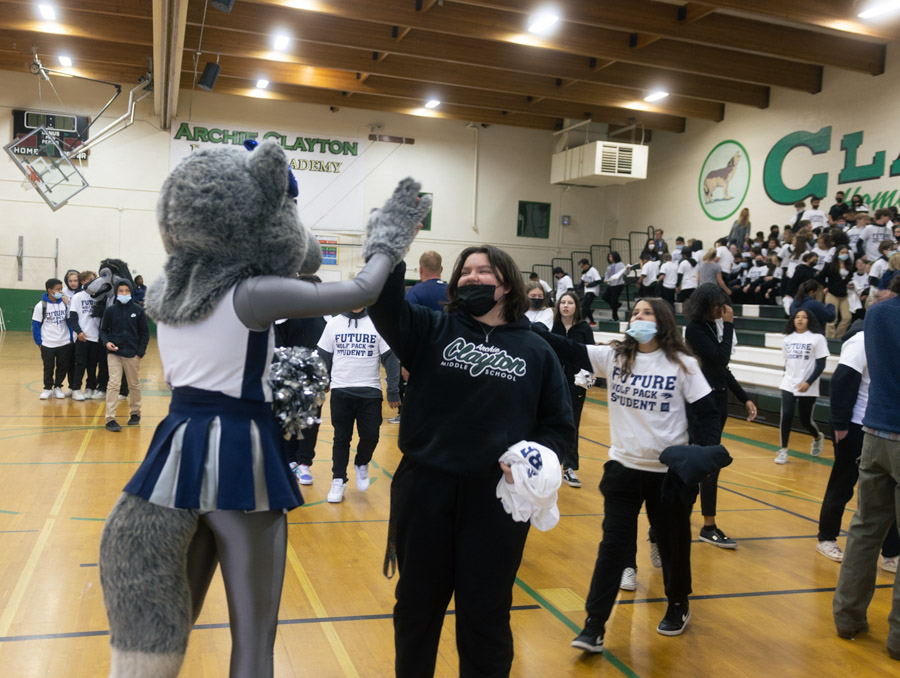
(658, 95)
(262, 84)
(880, 9)
(47, 12)
(432, 103)
(542, 22)
(65, 60)
(281, 42)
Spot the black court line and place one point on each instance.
(749, 594)
(774, 506)
(224, 625)
(594, 441)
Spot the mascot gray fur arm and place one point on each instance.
(392, 228)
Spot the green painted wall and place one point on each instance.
(18, 305)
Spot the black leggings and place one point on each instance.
(807, 403)
(611, 297)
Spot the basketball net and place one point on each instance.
(31, 179)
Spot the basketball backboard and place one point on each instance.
(47, 167)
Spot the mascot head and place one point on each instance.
(225, 215)
(103, 288)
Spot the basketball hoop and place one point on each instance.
(31, 179)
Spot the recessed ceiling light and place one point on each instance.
(262, 84)
(65, 60)
(432, 103)
(47, 12)
(879, 9)
(542, 22)
(281, 42)
(655, 96)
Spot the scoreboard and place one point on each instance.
(70, 131)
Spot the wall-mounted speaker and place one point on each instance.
(222, 5)
(208, 78)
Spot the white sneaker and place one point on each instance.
(99, 395)
(782, 456)
(890, 564)
(362, 478)
(817, 445)
(46, 393)
(67, 392)
(336, 493)
(88, 393)
(77, 395)
(303, 474)
(655, 558)
(830, 550)
(629, 579)
(394, 420)
(58, 393)
(121, 397)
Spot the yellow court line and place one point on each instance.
(327, 627)
(15, 600)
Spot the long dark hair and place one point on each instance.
(667, 334)
(507, 271)
(812, 322)
(836, 262)
(700, 305)
(557, 316)
(616, 257)
(537, 286)
(806, 288)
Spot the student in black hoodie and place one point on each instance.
(125, 334)
(567, 322)
(707, 305)
(480, 381)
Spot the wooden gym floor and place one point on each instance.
(765, 607)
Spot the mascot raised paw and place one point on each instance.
(215, 487)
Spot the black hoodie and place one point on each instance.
(473, 390)
(125, 325)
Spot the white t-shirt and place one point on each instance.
(800, 352)
(873, 235)
(688, 275)
(670, 270)
(357, 348)
(82, 305)
(825, 257)
(726, 258)
(860, 282)
(854, 234)
(545, 285)
(544, 316)
(563, 285)
(647, 409)
(878, 268)
(54, 329)
(650, 271)
(817, 218)
(676, 255)
(853, 355)
(591, 279)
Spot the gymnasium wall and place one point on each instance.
(853, 110)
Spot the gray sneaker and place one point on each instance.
(817, 445)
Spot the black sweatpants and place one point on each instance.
(806, 404)
(346, 409)
(570, 458)
(684, 295)
(668, 294)
(89, 356)
(453, 538)
(303, 450)
(59, 358)
(624, 490)
(611, 297)
(586, 311)
(709, 486)
(839, 491)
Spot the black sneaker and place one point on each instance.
(713, 535)
(570, 479)
(589, 640)
(113, 425)
(135, 420)
(676, 620)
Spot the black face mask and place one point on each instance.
(839, 200)
(536, 304)
(476, 300)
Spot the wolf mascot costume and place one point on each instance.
(215, 487)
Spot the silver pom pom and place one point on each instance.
(299, 381)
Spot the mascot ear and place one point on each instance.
(269, 166)
(313, 258)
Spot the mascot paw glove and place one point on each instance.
(392, 228)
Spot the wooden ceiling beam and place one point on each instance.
(135, 9)
(79, 48)
(125, 74)
(426, 70)
(107, 28)
(497, 26)
(647, 19)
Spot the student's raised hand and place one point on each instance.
(727, 314)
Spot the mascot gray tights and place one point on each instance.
(214, 487)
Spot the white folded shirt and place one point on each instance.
(537, 477)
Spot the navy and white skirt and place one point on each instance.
(213, 452)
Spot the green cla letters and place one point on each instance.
(818, 142)
(853, 172)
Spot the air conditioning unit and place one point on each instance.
(600, 163)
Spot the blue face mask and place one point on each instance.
(641, 331)
(843, 257)
(123, 298)
(744, 264)
(57, 295)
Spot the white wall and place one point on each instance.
(849, 102)
(115, 217)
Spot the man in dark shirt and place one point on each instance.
(431, 291)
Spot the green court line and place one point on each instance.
(547, 605)
(97, 520)
(12, 513)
